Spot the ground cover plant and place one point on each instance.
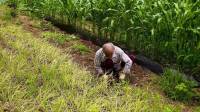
(58, 37)
(177, 86)
(80, 48)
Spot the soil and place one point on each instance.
(28, 25)
(2, 44)
(5, 46)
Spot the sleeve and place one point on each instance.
(97, 62)
(128, 62)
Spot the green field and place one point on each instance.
(36, 75)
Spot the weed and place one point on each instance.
(5, 13)
(41, 24)
(36, 23)
(58, 37)
(44, 25)
(81, 48)
(177, 86)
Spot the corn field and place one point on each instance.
(165, 30)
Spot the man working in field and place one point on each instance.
(112, 59)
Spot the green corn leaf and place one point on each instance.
(159, 20)
(112, 23)
(131, 21)
(166, 44)
(152, 31)
(136, 28)
(112, 10)
(186, 58)
(131, 28)
(106, 19)
(180, 57)
(198, 46)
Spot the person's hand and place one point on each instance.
(126, 71)
(105, 77)
(99, 73)
(122, 76)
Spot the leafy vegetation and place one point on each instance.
(58, 37)
(177, 86)
(5, 13)
(80, 48)
(46, 26)
(42, 25)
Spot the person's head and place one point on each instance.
(108, 49)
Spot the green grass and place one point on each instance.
(177, 86)
(79, 47)
(5, 13)
(43, 25)
(7, 16)
(37, 76)
(58, 37)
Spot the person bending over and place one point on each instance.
(112, 59)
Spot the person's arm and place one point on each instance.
(97, 62)
(128, 62)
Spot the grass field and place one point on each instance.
(37, 76)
